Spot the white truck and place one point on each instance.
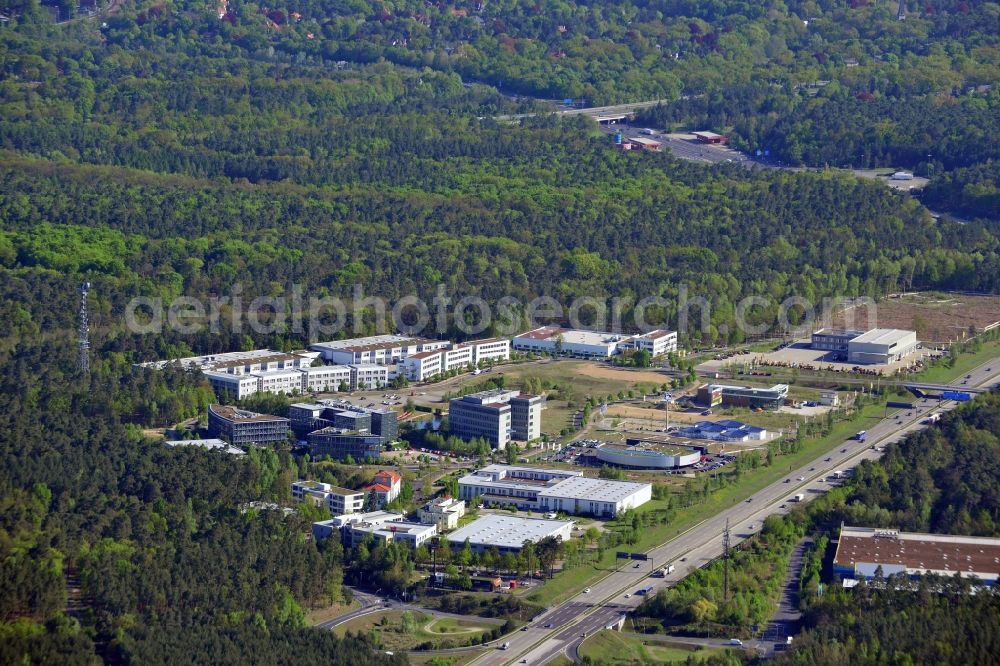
(798, 498)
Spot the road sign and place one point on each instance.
(640, 556)
(622, 555)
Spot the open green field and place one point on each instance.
(579, 380)
(614, 647)
(942, 374)
(405, 630)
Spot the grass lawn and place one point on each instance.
(394, 635)
(430, 659)
(942, 374)
(614, 647)
(318, 615)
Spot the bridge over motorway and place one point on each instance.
(598, 113)
(946, 387)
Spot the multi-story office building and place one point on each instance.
(375, 349)
(308, 416)
(593, 344)
(497, 416)
(658, 343)
(443, 512)
(396, 531)
(242, 427)
(339, 443)
(339, 501)
(424, 365)
(526, 417)
(833, 339)
(537, 489)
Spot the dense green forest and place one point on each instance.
(819, 82)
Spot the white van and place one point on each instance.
(735, 641)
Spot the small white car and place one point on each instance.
(587, 591)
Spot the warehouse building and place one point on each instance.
(508, 534)
(711, 395)
(241, 427)
(497, 415)
(536, 489)
(863, 550)
(881, 346)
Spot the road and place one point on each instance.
(605, 603)
(595, 111)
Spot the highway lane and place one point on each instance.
(589, 612)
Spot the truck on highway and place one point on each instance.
(798, 498)
(861, 436)
(933, 418)
(664, 572)
(644, 591)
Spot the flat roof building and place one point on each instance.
(508, 534)
(862, 550)
(657, 343)
(723, 431)
(833, 339)
(308, 417)
(243, 427)
(396, 531)
(374, 349)
(537, 489)
(710, 137)
(881, 346)
(443, 512)
(572, 342)
(647, 455)
(211, 444)
(711, 395)
(497, 415)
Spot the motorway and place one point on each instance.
(605, 603)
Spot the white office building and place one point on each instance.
(374, 349)
(658, 343)
(536, 489)
(443, 512)
(397, 531)
(423, 365)
(339, 501)
(508, 534)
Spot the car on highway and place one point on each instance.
(587, 591)
(843, 450)
(801, 478)
(827, 459)
(637, 565)
(628, 595)
(749, 499)
(548, 625)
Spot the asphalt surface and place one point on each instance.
(585, 613)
